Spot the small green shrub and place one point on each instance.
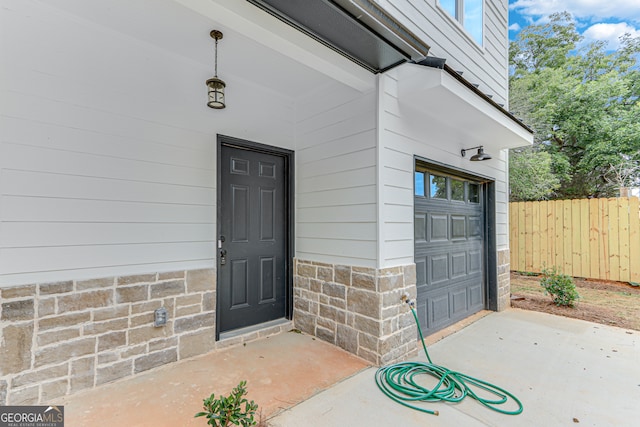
(559, 286)
(225, 411)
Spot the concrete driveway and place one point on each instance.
(565, 371)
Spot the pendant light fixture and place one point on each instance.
(215, 85)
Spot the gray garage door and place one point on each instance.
(449, 248)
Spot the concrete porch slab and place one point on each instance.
(281, 371)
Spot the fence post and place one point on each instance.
(634, 239)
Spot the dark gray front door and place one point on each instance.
(449, 248)
(252, 259)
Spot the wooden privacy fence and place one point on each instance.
(593, 238)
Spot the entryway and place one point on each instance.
(281, 370)
(254, 241)
(449, 246)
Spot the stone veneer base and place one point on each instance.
(63, 337)
(358, 309)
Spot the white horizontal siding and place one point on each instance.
(405, 133)
(108, 151)
(329, 165)
(339, 214)
(337, 197)
(342, 230)
(485, 65)
(22, 234)
(76, 186)
(338, 250)
(336, 206)
(19, 260)
(19, 157)
(353, 178)
(51, 210)
(27, 131)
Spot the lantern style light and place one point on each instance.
(215, 85)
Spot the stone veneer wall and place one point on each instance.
(59, 338)
(504, 280)
(357, 309)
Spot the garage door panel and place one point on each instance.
(459, 302)
(420, 228)
(475, 227)
(421, 311)
(475, 261)
(439, 268)
(475, 296)
(458, 227)
(421, 271)
(458, 264)
(438, 310)
(438, 230)
(443, 306)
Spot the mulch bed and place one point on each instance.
(582, 310)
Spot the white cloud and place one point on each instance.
(597, 10)
(610, 33)
(514, 27)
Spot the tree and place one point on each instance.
(531, 175)
(626, 173)
(581, 101)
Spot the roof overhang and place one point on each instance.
(360, 30)
(452, 102)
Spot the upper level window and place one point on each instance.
(468, 13)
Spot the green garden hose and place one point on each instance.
(398, 381)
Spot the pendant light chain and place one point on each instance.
(216, 59)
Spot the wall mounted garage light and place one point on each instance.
(214, 84)
(481, 155)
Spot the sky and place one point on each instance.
(596, 19)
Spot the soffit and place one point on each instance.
(357, 29)
(451, 103)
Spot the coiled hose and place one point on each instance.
(398, 381)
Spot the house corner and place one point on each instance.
(359, 309)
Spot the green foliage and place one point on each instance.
(544, 46)
(532, 176)
(559, 286)
(582, 102)
(225, 411)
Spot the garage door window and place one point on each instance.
(438, 187)
(474, 193)
(419, 184)
(457, 190)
